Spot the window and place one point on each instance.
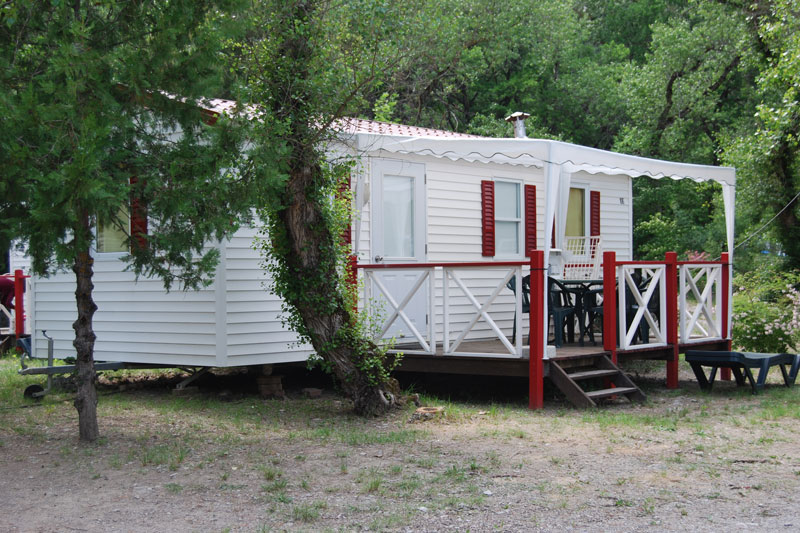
(112, 236)
(398, 216)
(576, 213)
(503, 216)
(130, 221)
(508, 217)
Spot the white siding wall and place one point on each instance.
(233, 322)
(255, 333)
(136, 321)
(454, 231)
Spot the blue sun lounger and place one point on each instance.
(741, 364)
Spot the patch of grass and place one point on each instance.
(174, 488)
(308, 512)
(373, 484)
(270, 473)
(358, 437)
(276, 486)
(172, 455)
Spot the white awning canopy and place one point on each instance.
(559, 160)
(538, 153)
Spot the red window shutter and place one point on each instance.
(553, 236)
(594, 213)
(138, 216)
(487, 218)
(530, 219)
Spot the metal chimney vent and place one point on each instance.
(518, 119)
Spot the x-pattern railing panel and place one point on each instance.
(480, 310)
(642, 294)
(704, 283)
(428, 344)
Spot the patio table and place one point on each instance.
(739, 362)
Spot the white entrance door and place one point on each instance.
(398, 236)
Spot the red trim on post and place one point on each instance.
(726, 291)
(671, 260)
(536, 333)
(725, 373)
(19, 303)
(594, 213)
(530, 219)
(610, 304)
(487, 218)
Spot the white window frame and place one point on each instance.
(520, 220)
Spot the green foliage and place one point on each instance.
(679, 216)
(766, 311)
(384, 107)
(766, 154)
(695, 82)
(86, 107)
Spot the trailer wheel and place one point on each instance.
(30, 390)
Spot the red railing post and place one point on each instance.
(610, 304)
(536, 335)
(671, 260)
(725, 373)
(19, 303)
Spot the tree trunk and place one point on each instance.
(86, 397)
(311, 242)
(304, 244)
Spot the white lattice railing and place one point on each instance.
(474, 293)
(377, 294)
(480, 310)
(700, 304)
(642, 304)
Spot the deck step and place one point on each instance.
(617, 383)
(615, 391)
(591, 374)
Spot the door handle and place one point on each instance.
(378, 258)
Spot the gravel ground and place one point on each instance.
(685, 461)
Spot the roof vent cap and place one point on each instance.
(518, 119)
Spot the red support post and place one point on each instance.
(536, 334)
(671, 260)
(19, 303)
(610, 304)
(725, 373)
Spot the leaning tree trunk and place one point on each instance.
(325, 311)
(304, 245)
(86, 397)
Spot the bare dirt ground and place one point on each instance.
(228, 461)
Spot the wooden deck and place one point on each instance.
(495, 361)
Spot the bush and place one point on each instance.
(766, 311)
